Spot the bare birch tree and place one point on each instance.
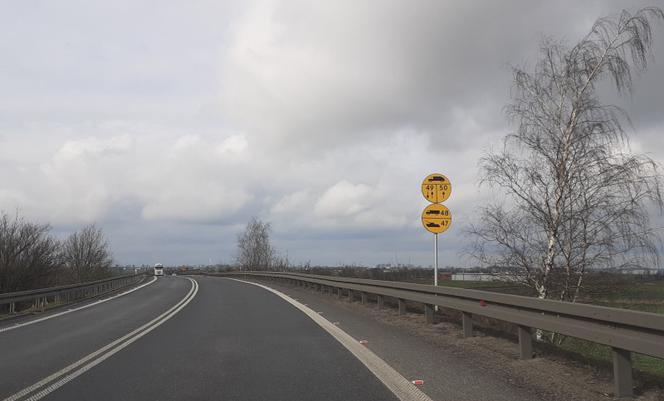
(254, 249)
(86, 254)
(578, 198)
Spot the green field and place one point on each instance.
(642, 296)
(646, 296)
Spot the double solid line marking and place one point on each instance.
(58, 379)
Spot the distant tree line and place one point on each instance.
(31, 257)
(411, 274)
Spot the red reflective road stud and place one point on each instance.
(482, 302)
(364, 342)
(418, 382)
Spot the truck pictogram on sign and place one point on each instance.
(436, 218)
(436, 188)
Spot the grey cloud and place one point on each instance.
(334, 111)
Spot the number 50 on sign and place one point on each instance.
(436, 188)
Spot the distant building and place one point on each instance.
(474, 277)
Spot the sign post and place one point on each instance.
(436, 218)
(435, 260)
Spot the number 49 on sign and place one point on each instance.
(436, 188)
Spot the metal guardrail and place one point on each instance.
(40, 298)
(625, 331)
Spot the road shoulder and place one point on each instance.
(453, 367)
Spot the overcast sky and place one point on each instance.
(171, 123)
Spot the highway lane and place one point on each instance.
(29, 319)
(30, 353)
(233, 341)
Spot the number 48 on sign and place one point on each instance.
(436, 218)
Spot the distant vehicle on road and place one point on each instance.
(158, 269)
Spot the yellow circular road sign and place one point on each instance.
(436, 188)
(436, 218)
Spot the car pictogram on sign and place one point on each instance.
(436, 218)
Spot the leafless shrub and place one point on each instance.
(28, 254)
(86, 254)
(254, 249)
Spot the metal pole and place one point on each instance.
(435, 264)
(435, 260)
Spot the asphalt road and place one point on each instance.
(175, 340)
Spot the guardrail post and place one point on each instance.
(428, 313)
(364, 298)
(622, 373)
(339, 293)
(351, 295)
(525, 342)
(380, 301)
(402, 306)
(12, 307)
(467, 324)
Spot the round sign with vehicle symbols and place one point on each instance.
(436, 218)
(436, 188)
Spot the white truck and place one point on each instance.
(158, 269)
